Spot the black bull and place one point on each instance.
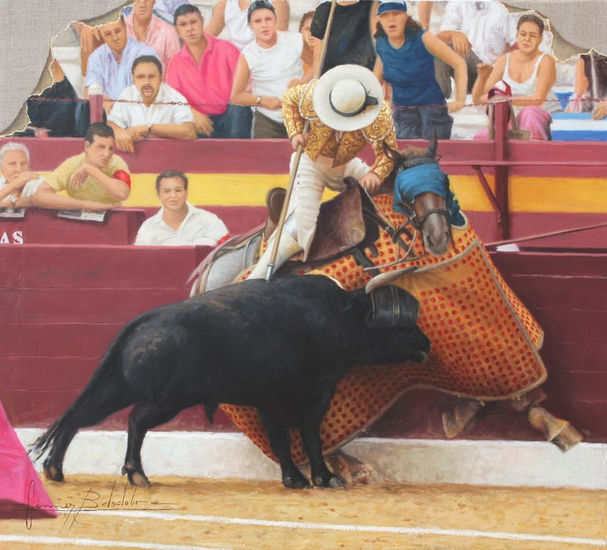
(279, 346)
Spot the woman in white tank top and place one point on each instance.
(530, 75)
(232, 15)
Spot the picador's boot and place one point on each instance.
(287, 247)
(556, 430)
(455, 420)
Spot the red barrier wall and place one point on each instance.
(62, 305)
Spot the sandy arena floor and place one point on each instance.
(176, 513)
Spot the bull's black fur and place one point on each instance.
(279, 346)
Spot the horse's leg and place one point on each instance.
(456, 419)
(554, 429)
(144, 417)
(280, 441)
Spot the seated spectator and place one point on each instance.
(405, 59)
(146, 111)
(110, 64)
(479, 32)
(272, 63)
(589, 66)
(17, 184)
(310, 42)
(351, 39)
(203, 71)
(178, 223)
(145, 27)
(232, 15)
(94, 180)
(530, 75)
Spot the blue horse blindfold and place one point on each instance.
(425, 178)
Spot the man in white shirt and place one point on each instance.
(270, 64)
(17, 184)
(150, 108)
(478, 31)
(178, 223)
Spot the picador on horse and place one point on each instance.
(402, 225)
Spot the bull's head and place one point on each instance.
(387, 331)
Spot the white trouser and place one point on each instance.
(310, 181)
(312, 176)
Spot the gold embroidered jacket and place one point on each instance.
(297, 108)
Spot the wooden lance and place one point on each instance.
(293, 174)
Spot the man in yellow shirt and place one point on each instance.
(94, 180)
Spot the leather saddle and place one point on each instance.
(340, 226)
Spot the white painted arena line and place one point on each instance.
(352, 528)
(95, 542)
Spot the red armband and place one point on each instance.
(223, 239)
(123, 176)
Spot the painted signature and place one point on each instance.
(116, 498)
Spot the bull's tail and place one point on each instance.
(105, 393)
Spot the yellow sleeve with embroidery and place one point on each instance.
(294, 122)
(379, 131)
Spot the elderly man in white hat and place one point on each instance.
(346, 111)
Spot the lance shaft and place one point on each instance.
(306, 128)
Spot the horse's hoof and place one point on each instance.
(352, 471)
(53, 473)
(556, 430)
(568, 437)
(295, 482)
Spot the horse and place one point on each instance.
(415, 236)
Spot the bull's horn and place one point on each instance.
(384, 279)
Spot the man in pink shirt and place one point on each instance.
(145, 27)
(203, 71)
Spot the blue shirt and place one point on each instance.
(410, 71)
(114, 77)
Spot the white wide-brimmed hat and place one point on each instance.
(347, 98)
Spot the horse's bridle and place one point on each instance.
(417, 222)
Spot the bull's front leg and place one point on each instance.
(280, 442)
(310, 435)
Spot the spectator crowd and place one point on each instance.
(163, 72)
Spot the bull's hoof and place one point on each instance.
(136, 477)
(329, 481)
(352, 471)
(459, 417)
(53, 473)
(295, 481)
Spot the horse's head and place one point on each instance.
(421, 191)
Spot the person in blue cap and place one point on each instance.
(405, 60)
